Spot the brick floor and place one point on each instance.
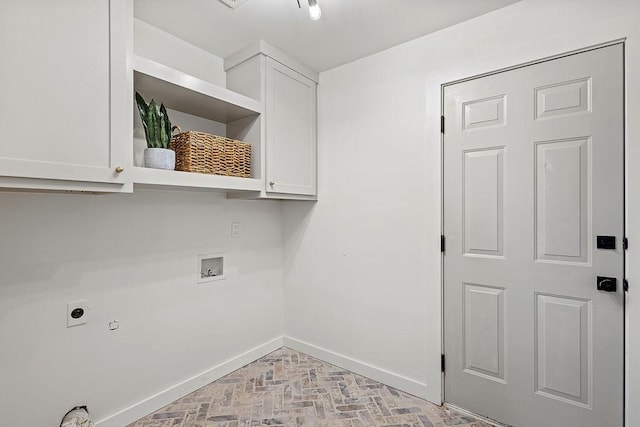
(289, 388)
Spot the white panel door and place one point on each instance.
(533, 173)
(65, 104)
(290, 131)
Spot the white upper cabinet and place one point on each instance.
(65, 107)
(287, 90)
(290, 131)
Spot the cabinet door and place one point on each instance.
(290, 131)
(59, 119)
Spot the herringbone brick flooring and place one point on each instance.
(288, 388)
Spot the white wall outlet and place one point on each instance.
(210, 268)
(235, 229)
(77, 313)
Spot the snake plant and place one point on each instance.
(157, 127)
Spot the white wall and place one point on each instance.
(363, 266)
(157, 45)
(133, 258)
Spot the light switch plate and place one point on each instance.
(235, 229)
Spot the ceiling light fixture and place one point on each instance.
(314, 10)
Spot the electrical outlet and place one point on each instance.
(235, 229)
(77, 313)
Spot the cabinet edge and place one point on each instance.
(264, 48)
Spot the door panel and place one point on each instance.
(483, 172)
(558, 349)
(484, 331)
(563, 98)
(563, 186)
(482, 113)
(533, 172)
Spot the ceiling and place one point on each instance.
(348, 29)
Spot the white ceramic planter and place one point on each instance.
(159, 158)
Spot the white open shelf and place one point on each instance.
(168, 179)
(186, 93)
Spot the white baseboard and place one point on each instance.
(175, 392)
(388, 378)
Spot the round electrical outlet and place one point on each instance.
(77, 313)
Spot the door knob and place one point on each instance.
(606, 284)
(271, 183)
(119, 169)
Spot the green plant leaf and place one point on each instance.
(159, 128)
(153, 125)
(163, 140)
(143, 109)
(166, 126)
(142, 106)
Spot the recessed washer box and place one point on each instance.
(210, 267)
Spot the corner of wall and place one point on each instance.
(392, 379)
(177, 391)
(155, 44)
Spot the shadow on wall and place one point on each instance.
(297, 216)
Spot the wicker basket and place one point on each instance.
(203, 153)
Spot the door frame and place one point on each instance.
(625, 314)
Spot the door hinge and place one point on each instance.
(441, 124)
(625, 285)
(442, 243)
(625, 243)
(442, 362)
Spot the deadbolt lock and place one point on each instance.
(606, 284)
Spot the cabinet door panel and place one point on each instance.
(290, 131)
(56, 84)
